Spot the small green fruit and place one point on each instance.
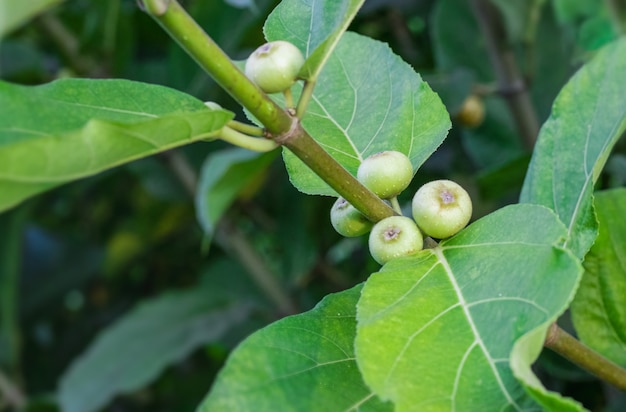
(441, 208)
(386, 173)
(347, 220)
(274, 66)
(394, 237)
(472, 112)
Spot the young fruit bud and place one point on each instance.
(347, 220)
(472, 112)
(274, 66)
(441, 208)
(386, 174)
(394, 237)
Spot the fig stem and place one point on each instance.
(201, 47)
(580, 354)
(510, 82)
(396, 205)
(288, 98)
(283, 128)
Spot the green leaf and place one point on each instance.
(300, 363)
(132, 352)
(570, 11)
(436, 331)
(591, 20)
(359, 108)
(15, 13)
(516, 15)
(315, 26)
(224, 176)
(69, 129)
(599, 309)
(457, 40)
(588, 117)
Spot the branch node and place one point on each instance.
(286, 137)
(511, 89)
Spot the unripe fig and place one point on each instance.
(347, 220)
(274, 66)
(441, 208)
(472, 112)
(394, 237)
(386, 173)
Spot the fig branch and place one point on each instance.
(282, 127)
(580, 354)
(510, 82)
(231, 239)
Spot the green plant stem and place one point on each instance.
(288, 98)
(11, 393)
(232, 239)
(257, 144)
(569, 347)
(510, 82)
(396, 205)
(285, 129)
(314, 156)
(246, 128)
(305, 98)
(190, 36)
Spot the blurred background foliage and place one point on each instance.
(184, 254)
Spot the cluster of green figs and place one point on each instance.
(440, 208)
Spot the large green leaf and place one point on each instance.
(68, 129)
(599, 309)
(300, 363)
(591, 20)
(224, 175)
(316, 26)
(588, 117)
(436, 331)
(359, 108)
(133, 352)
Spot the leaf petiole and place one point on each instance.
(246, 128)
(305, 97)
(237, 138)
